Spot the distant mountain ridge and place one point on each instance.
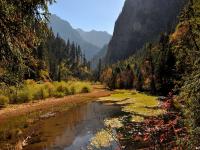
(97, 38)
(87, 40)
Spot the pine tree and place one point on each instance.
(152, 75)
(99, 70)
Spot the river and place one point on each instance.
(73, 129)
(88, 125)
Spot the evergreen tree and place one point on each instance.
(22, 28)
(99, 70)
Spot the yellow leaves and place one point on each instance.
(180, 32)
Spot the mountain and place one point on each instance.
(91, 42)
(66, 31)
(100, 55)
(97, 38)
(141, 21)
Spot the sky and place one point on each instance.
(89, 15)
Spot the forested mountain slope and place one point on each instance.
(66, 31)
(141, 21)
(91, 42)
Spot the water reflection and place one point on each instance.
(73, 130)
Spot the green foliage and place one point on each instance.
(60, 60)
(22, 28)
(79, 87)
(86, 89)
(4, 100)
(29, 50)
(186, 46)
(23, 96)
(31, 90)
(173, 63)
(151, 69)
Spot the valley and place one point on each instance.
(67, 83)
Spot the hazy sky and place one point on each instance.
(89, 14)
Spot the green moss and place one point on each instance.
(113, 123)
(138, 104)
(101, 140)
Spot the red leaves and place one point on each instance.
(162, 138)
(158, 130)
(167, 105)
(146, 137)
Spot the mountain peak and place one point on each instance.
(91, 42)
(97, 38)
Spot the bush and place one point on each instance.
(29, 82)
(50, 87)
(79, 87)
(59, 94)
(31, 90)
(73, 90)
(24, 96)
(4, 100)
(86, 89)
(63, 88)
(45, 93)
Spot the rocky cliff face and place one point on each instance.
(141, 21)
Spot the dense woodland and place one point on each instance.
(169, 65)
(29, 50)
(58, 60)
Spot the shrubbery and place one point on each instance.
(31, 90)
(4, 100)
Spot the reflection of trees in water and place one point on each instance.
(74, 127)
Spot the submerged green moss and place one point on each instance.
(113, 123)
(101, 139)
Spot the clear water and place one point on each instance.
(73, 129)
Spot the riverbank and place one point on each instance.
(166, 131)
(122, 118)
(22, 109)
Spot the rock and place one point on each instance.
(141, 21)
(48, 115)
(161, 98)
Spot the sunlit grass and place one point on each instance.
(133, 102)
(32, 90)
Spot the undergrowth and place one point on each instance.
(31, 90)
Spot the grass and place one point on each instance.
(32, 90)
(140, 105)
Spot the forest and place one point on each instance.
(170, 65)
(35, 65)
